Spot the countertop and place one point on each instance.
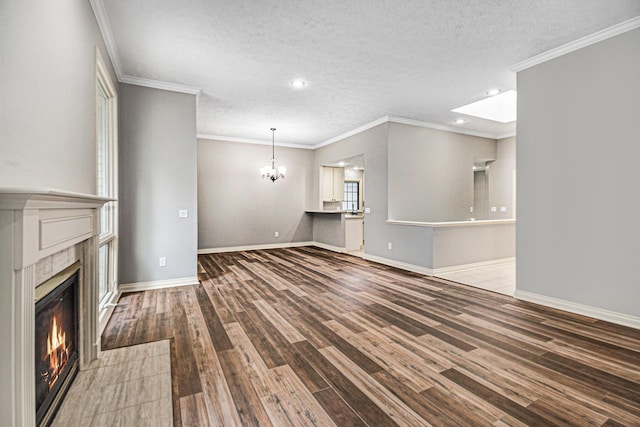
(329, 211)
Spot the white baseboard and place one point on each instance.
(254, 247)
(465, 267)
(157, 284)
(585, 310)
(105, 314)
(399, 264)
(328, 247)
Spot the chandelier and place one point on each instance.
(272, 172)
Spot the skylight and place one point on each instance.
(500, 108)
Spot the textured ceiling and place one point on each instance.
(362, 59)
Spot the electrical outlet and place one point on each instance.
(367, 210)
(390, 245)
(494, 209)
(276, 234)
(470, 208)
(183, 213)
(162, 261)
(503, 208)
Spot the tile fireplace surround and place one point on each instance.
(42, 232)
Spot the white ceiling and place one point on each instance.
(362, 59)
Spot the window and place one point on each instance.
(107, 180)
(351, 200)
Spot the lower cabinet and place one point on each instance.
(353, 233)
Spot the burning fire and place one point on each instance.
(57, 352)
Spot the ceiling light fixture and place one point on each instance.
(493, 92)
(459, 121)
(272, 172)
(297, 83)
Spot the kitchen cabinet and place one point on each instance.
(332, 184)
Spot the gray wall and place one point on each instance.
(158, 176)
(329, 229)
(430, 173)
(239, 208)
(501, 179)
(578, 237)
(372, 143)
(471, 244)
(47, 87)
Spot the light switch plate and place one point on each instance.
(494, 209)
(367, 210)
(183, 213)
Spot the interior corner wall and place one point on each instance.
(372, 143)
(239, 208)
(47, 101)
(431, 172)
(578, 149)
(157, 177)
(501, 179)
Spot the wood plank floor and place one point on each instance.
(304, 336)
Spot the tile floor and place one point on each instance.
(129, 386)
(500, 278)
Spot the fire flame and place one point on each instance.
(57, 351)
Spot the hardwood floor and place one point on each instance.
(304, 336)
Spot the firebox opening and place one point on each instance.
(56, 347)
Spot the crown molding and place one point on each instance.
(105, 29)
(158, 84)
(107, 35)
(355, 131)
(250, 141)
(505, 135)
(445, 128)
(599, 36)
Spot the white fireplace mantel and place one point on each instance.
(36, 223)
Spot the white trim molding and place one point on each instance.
(355, 131)
(253, 247)
(412, 122)
(250, 141)
(585, 310)
(157, 284)
(451, 223)
(329, 247)
(270, 246)
(594, 38)
(505, 135)
(107, 35)
(399, 264)
(418, 123)
(106, 310)
(159, 84)
(465, 267)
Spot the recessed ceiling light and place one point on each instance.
(459, 121)
(355, 168)
(500, 108)
(297, 83)
(493, 92)
(341, 164)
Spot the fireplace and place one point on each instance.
(46, 236)
(56, 349)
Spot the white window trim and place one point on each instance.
(104, 80)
